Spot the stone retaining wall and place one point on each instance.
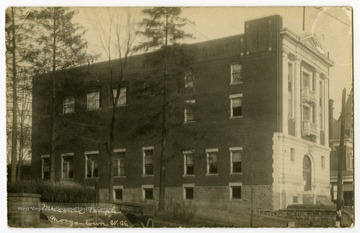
(23, 210)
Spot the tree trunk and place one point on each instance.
(163, 124)
(21, 147)
(53, 103)
(111, 150)
(14, 110)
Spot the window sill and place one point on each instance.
(122, 177)
(186, 175)
(66, 179)
(236, 117)
(91, 178)
(68, 113)
(236, 83)
(147, 175)
(211, 174)
(91, 110)
(236, 173)
(188, 200)
(236, 199)
(118, 106)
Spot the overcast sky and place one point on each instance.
(332, 25)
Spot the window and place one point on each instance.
(189, 79)
(118, 193)
(307, 80)
(307, 173)
(122, 96)
(323, 161)
(188, 191)
(212, 161)
(188, 163)
(69, 105)
(91, 168)
(236, 69)
(67, 171)
(292, 154)
(235, 191)
(148, 192)
(308, 113)
(235, 105)
(45, 167)
(119, 162)
(235, 159)
(93, 100)
(148, 160)
(189, 111)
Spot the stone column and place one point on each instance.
(298, 98)
(316, 106)
(326, 110)
(284, 91)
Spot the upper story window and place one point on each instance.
(235, 105)
(122, 96)
(235, 158)
(236, 73)
(189, 111)
(212, 167)
(69, 105)
(148, 153)
(93, 100)
(67, 171)
(91, 165)
(189, 79)
(119, 162)
(307, 79)
(308, 113)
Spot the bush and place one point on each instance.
(310, 207)
(181, 211)
(57, 192)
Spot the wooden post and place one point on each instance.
(341, 154)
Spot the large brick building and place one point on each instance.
(250, 112)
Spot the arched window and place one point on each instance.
(307, 173)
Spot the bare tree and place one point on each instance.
(19, 35)
(117, 42)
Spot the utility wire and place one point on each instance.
(320, 9)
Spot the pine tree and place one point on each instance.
(60, 46)
(162, 32)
